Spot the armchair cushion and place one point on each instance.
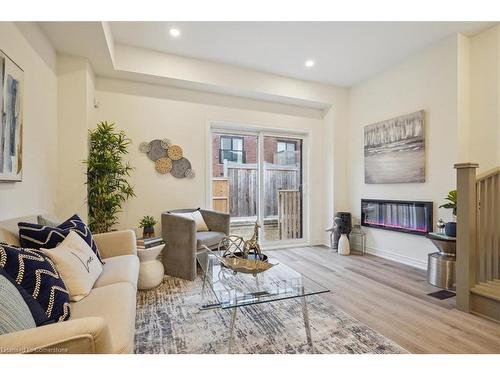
(201, 225)
(209, 239)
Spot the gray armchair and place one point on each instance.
(182, 241)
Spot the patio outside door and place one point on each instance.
(258, 177)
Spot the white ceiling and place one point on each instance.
(345, 53)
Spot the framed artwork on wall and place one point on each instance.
(11, 125)
(395, 150)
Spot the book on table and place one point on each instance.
(145, 243)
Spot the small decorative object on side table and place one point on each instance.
(450, 227)
(147, 224)
(358, 238)
(151, 269)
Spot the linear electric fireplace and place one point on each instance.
(402, 216)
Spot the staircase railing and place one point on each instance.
(478, 230)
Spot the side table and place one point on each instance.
(151, 269)
(441, 265)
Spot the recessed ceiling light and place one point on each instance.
(309, 63)
(174, 32)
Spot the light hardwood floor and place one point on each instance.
(391, 298)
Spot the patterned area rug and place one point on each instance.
(169, 321)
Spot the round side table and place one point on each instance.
(151, 269)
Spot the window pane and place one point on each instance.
(238, 156)
(237, 144)
(290, 146)
(281, 146)
(225, 143)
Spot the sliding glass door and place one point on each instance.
(282, 188)
(257, 177)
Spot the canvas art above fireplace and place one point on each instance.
(395, 150)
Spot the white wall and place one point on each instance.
(146, 112)
(75, 108)
(427, 81)
(37, 192)
(484, 132)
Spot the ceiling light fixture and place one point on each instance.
(175, 32)
(309, 63)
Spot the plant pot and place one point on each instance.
(148, 232)
(450, 229)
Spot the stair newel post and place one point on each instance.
(466, 233)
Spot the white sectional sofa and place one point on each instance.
(102, 322)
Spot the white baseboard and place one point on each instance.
(386, 255)
(397, 258)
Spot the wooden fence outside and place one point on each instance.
(240, 193)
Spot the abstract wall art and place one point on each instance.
(11, 126)
(395, 150)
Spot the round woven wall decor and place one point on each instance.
(189, 173)
(144, 147)
(174, 152)
(166, 143)
(163, 165)
(179, 167)
(156, 151)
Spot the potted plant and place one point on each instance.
(147, 224)
(107, 176)
(450, 228)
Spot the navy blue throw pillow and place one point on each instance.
(38, 276)
(35, 308)
(38, 236)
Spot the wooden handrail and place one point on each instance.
(488, 174)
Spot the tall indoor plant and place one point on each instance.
(107, 173)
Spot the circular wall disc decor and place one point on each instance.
(156, 151)
(166, 143)
(144, 147)
(189, 173)
(163, 165)
(175, 152)
(179, 167)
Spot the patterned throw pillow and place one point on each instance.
(37, 274)
(37, 236)
(36, 310)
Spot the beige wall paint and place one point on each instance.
(37, 192)
(147, 112)
(75, 108)
(484, 133)
(426, 81)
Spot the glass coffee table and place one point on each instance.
(234, 290)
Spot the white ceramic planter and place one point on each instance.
(344, 247)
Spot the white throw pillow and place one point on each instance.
(201, 226)
(77, 264)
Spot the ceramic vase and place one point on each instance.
(344, 247)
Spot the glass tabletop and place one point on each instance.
(240, 289)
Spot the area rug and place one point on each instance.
(169, 321)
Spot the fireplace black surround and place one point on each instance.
(414, 217)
